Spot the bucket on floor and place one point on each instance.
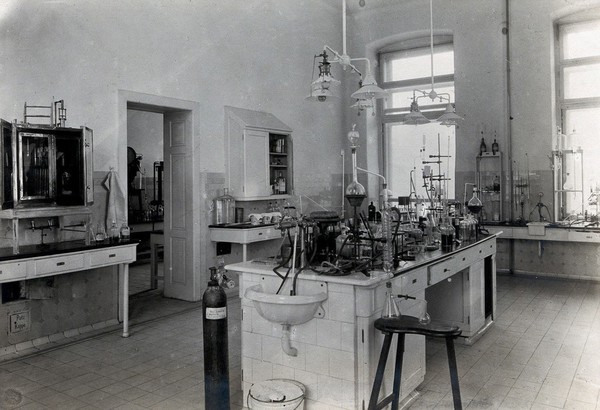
(276, 394)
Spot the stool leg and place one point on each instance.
(398, 371)
(453, 372)
(385, 350)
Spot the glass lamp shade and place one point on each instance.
(320, 94)
(415, 116)
(362, 104)
(449, 117)
(369, 89)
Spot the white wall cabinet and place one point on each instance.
(258, 154)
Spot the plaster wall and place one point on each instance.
(255, 55)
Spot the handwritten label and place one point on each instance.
(19, 321)
(216, 313)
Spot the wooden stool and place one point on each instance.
(410, 325)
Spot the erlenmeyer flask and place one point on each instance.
(390, 308)
(424, 317)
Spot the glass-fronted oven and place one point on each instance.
(53, 166)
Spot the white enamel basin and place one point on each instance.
(285, 309)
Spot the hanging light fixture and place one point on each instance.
(368, 86)
(415, 116)
(449, 117)
(320, 89)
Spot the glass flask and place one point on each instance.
(224, 208)
(390, 307)
(424, 317)
(474, 205)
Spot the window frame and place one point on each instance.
(388, 117)
(563, 104)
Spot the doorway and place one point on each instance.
(145, 203)
(179, 187)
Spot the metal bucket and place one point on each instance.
(276, 394)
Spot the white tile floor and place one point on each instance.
(542, 353)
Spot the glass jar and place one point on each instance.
(446, 233)
(224, 212)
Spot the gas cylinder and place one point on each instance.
(216, 359)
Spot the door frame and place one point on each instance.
(156, 103)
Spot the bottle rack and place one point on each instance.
(489, 180)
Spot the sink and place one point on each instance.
(286, 309)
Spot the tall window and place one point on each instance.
(409, 149)
(578, 95)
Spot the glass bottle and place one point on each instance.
(281, 188)
(390, 307)
(447, 234)
(224, 208)
(482, 147)
(465, 230)
(496, 183)
(114, 232)
(125, 232)
(371, 212)
(495, 147)
(100, 233)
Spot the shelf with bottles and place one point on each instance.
(280, 163)
(279, 182)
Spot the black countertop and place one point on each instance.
(32, 251)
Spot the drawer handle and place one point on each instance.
(464, 258)
(479, 250)
(413, 281)
(260, 233)
(60, 263)
(446, 269)
(112, 255)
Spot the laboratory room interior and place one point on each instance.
(314, 204)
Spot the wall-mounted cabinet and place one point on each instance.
(259, 161)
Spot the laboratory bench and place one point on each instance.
(339, 347)
(548, 249)
(37, 261)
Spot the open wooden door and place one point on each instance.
(178, 190)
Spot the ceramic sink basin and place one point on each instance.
(285, 309)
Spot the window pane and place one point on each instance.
(586, 123)
(582, 81)
(405, 143)
(581, 40)
(416, 63)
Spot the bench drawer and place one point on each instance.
(12, 271)
(414, 281)
(112, 256)
(59, 264)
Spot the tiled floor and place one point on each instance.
(542, 353)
